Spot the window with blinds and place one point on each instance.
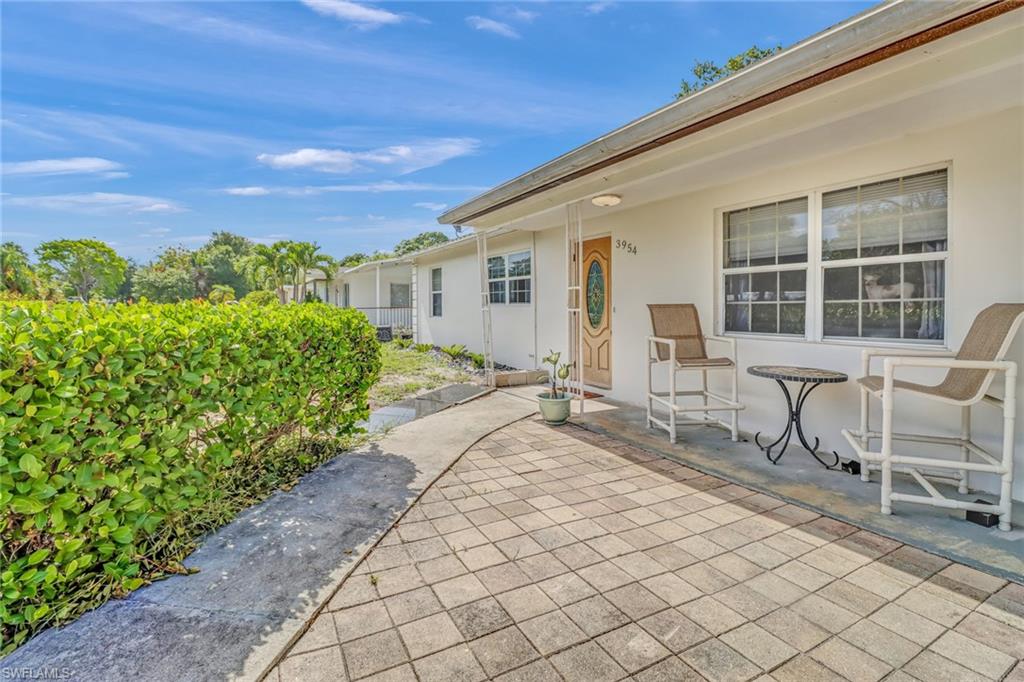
(765, 268)
(883, 251)
(435, 292)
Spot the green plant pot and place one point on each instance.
(554, 410)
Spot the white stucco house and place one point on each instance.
(861, 189)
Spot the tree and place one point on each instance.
(330, 269)
(85, 266)
(305, 256)
(353, 259)
(269, 266)
(707, 72)
(424, 240)
(222, 260)
(15, 270)
(125, 291)
(164, 284)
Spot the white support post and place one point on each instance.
(414, 302)
(377, 311)
(485, 308)
(574, 303)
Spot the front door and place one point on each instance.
(597, 312)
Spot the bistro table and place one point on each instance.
(809, 379)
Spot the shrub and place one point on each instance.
(260, 298)
(221, 293)
(126, 428)
(402, 343)
(455, 351)
(424, 347)
(477, 359)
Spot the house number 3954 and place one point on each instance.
(628, 247)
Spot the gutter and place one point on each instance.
(865, 39)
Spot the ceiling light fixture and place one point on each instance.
(606, 200)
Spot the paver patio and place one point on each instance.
(551, 553)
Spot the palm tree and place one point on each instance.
(330, 269)
(306, 256)
(270, 266)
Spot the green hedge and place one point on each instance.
(128, 429)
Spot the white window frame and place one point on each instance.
(756, 269)
(814, 322)
(507, 279)
(436, 292)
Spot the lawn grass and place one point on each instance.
(406, 372)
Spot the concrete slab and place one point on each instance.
(798, 478)
(263, 577)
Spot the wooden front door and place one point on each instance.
(597, 312)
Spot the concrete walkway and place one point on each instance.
(264, 576)
(554, 553)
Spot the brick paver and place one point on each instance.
(551, 553)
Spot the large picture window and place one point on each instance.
(435, 292)
(877, 254)
(509, 278)
(765, 251)
(883, 251)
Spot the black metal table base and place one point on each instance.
(794, 411)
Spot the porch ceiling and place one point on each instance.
(957, 78)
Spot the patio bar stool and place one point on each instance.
(968, 377)
(680, 346)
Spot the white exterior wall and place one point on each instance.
(677, 262)
(461, 319)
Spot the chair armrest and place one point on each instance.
(727, 340)
(868, 353)
(891, 363)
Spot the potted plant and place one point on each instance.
(555, 405)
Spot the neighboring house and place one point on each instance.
(382, 289)
(859, 189)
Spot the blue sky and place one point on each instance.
(148, 124)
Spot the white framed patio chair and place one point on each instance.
(968, 378)
(679, 345)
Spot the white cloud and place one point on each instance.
(333, 219)
(430, 205)
(98, 202)
(403, 158)
(246, 191)
(74, 165)
(354, 12)
(154, 231)
(518, 14)
(492, 26)
(598, 7)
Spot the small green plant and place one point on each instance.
(402, 343)
(558, 371)
(454, 351)
(477, 358)
(424, 347)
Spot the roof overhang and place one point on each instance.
(865, 39)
